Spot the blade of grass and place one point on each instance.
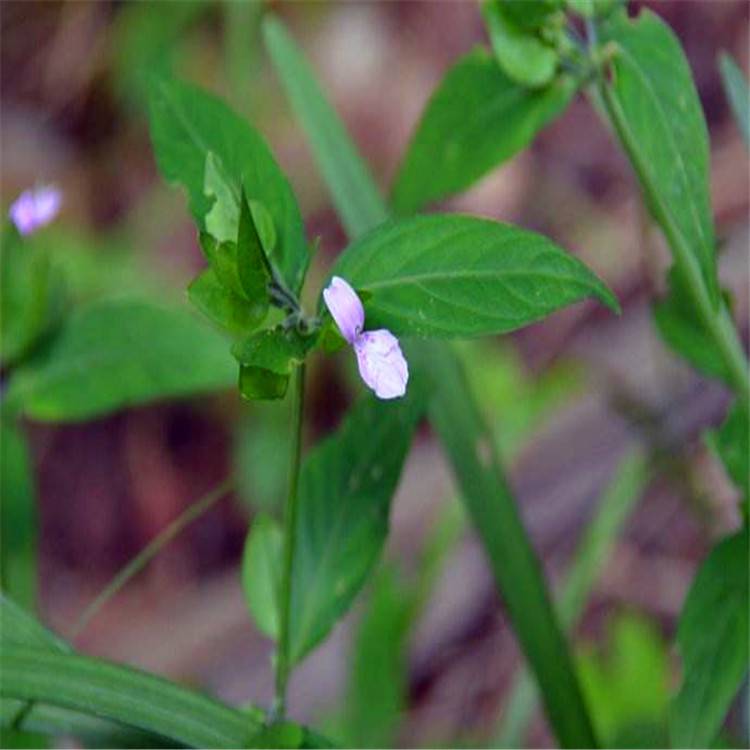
(615, 507)
(454, 413)
(110, 691)
(144, 557)
(357, 199)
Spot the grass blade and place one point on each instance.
(614, 509)
(356, 197)
(99, 688)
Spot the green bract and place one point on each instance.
(267, 360)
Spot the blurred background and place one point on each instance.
(576, 402)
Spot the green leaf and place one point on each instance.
(737, 91)
(252, 263)
(732, 444)
(528, 14)
(68, 691)
(18, 518)
(259, 383)
(94, 686)
(222, 257)
(116, 354)
(268, 359)
(52, 721)
(712, 637)
(521, 53)
(475, 120)
(341, 166)
(260, 456)
(626, 687)
(681, 327)
(19, 628)
(277, 349)
(469, 447)
(458, 276)
(345, 491)
(224, 307)
(374, 707)
(223, 219)
(31, 296)
(261, 573)
(658, 116)
(186, 125)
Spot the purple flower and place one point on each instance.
(381, 362)
(34, 208)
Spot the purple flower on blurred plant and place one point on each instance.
(381, 362)
(35, 207)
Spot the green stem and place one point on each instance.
(290, 526)
(150, 551)
(717, 321)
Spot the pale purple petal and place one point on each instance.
(381, 363)
(34, 208)
(345, 308)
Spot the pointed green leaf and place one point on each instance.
(659, 116)
(457, 276)
(119, 353)
(475, 120)
(712, 638)
(186, 125)
(345, 491)
(224, 307)
(252, 264)
(261, 573)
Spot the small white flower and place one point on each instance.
(381, 363)
(34, 208)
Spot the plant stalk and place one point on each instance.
(283, 665)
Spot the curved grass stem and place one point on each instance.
(144, 557)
